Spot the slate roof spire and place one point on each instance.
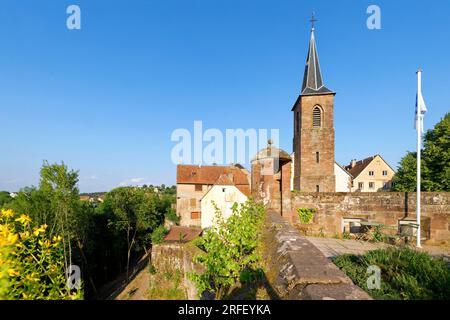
(312, 80)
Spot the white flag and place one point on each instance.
(421, 108)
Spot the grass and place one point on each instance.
(167, 286)
(406, 274)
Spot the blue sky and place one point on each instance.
(106, 98)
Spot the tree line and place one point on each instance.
(435, 165)
(103, 239)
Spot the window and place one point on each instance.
(371, 185)
(318, 157)
(317, 117)
(297, 121)
(224, 189)
(371, 173)
(361, 185)
(385, 185)
(351, 225)
(385, 173)
(317, 188)
(198, 187)
(195, 215)
(193, 202)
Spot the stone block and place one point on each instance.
(333, 292)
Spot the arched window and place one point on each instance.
(317, 117)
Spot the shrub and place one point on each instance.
(229, 250)
(406, 274)
(31, 265)
(172, 216)
(158, 234)
(375, 234)
(306, 215)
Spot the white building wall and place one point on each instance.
(224, 198)
(343, 180)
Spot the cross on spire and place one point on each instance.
(313, 20)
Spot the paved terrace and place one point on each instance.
(335, 247)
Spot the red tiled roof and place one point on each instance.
(359, 166)
(189, 174)
(182, 234)
(225, 180)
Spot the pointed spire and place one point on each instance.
(312, 80)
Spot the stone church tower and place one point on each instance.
(314, 130)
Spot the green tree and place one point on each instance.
(56, 204)
(405, 178)
(134, 213)
(435, 165)
(4, 198)
(229, 250)
(60, 184)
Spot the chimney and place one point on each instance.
(353, 163)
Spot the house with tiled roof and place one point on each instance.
(223, 195)
(371, 174)
(193, 182)
(343, 178)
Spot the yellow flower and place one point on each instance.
(12, 272)
(6, 236)
(56, 238)
(25, 235)
(7, 213)
(39, 230)
(24, 219)
(32, 277)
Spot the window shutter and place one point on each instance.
(317, 117)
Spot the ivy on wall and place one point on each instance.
(306, 215)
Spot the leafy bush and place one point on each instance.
(4, 198)
(229, 250)
(159, 234)
(31, 265)
(306, 215)
(375, 234)
(406, 274)
(172, 216)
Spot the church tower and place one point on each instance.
(314, 129)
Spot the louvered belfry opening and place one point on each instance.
(317, 117)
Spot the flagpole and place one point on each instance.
(419, 151)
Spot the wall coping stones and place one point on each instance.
(298, 270)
